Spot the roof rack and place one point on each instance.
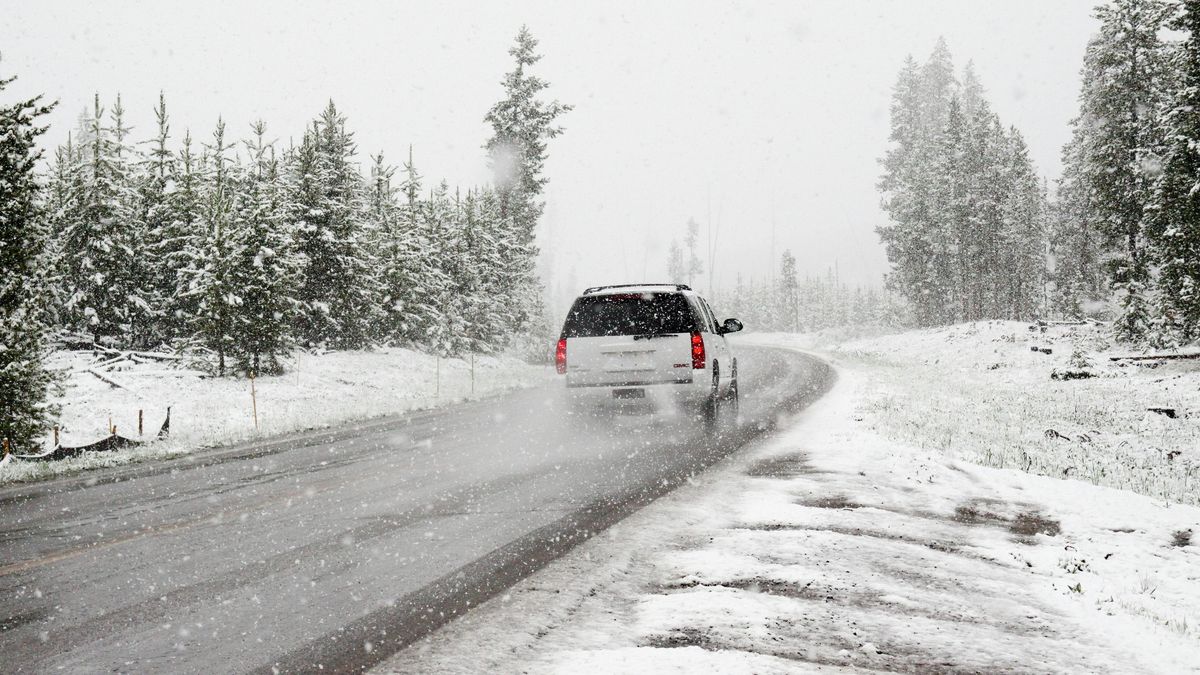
(593, 289)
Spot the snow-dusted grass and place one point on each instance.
(318, 391)
(832, 547)
(980, 393)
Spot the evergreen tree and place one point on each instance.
(522, 124)
(1117, 135)
(1175, 220)
(936, 87)
(482, 287)
(178, 247)
(339, 281)
(445, 337)
(693, 266)
(789, 293)
(24, 380)
(1022, 236)
(1077, 248)
(395, 259)
(135, 276)
(908, 186)
(265, 269)
(950, 231)
(676, 267)
(411, 277)
(100, 240)
(210, 279)
(163, 244)
(63, 186)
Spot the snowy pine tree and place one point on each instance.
(693, 267)
(339, 280)
(178, 247)
(1175, 215)
(788, 293)
(488, 318)
(209, 276)
(64, 183)
(522, 124)
(24, 380)
(676, 267)
(265, 267)
(100, 241)
(1022, 236)
(1077, 248)
(1117, 133)
(440, 229)
(136, 275)
(912, 246)
(163, 243)
(411, 277)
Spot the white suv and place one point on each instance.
(623, 342)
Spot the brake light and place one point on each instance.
(560, 356)
(697, 351)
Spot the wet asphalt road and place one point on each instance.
(333, 550)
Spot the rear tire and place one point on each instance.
(733, 404)
(711, 408)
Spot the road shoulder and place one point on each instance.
(827, 546)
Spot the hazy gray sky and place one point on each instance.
(754, 107)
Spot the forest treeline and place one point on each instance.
(248, 249)
(973, 232)
(234, 244)
(783, 301)
(792, 304)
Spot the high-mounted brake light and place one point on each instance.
(697, 351)
(560, 356)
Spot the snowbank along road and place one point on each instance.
(337, 549)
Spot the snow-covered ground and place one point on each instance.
(981, 392)
(852, 541)
(318, 391)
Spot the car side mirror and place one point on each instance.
(731, 326)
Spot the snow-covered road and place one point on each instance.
(829, 548)
(336, 548)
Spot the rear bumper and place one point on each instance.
(595, 379)
(691, 391)
(626, 384)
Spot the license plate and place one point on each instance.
(629, 393)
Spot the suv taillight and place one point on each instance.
(697, 351)
(560, 356)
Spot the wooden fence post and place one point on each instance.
(139, 422)
(254, 400)
(56, 435)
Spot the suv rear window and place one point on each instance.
(629, 314)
